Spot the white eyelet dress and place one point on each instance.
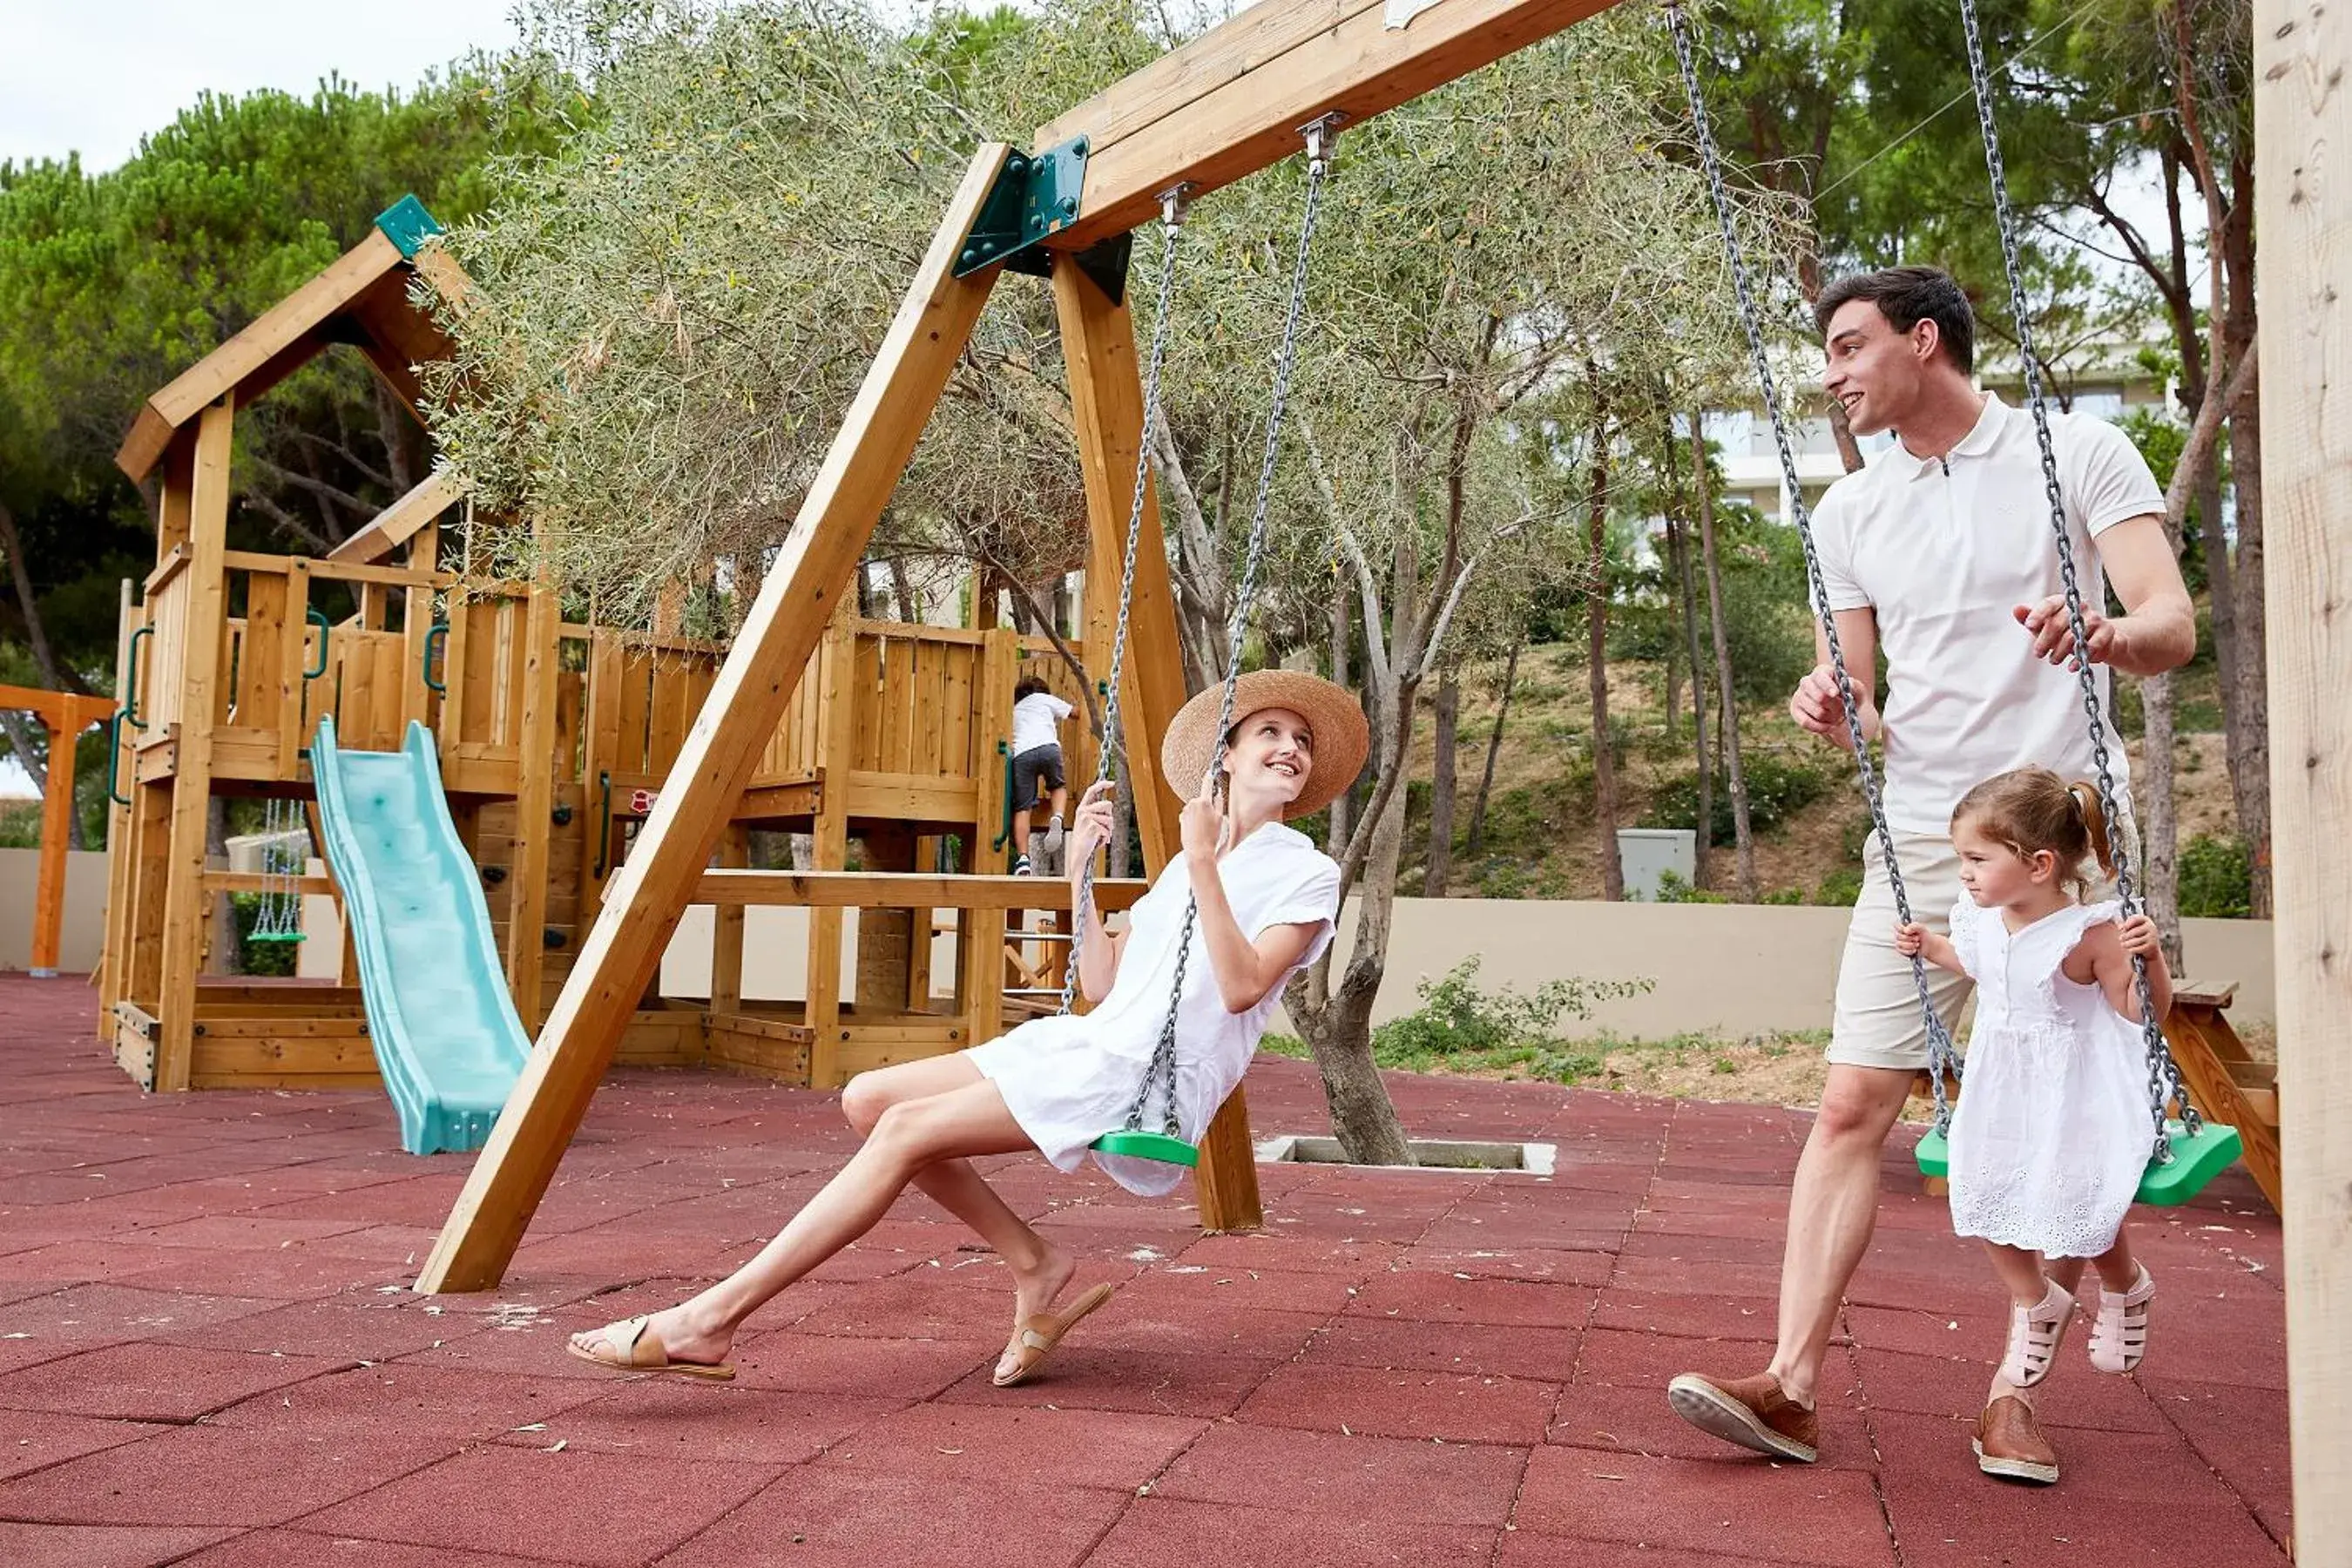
(2053, 1127)
(1068, 1081)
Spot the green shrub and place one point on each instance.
(1673, 889)
(1840, 887)
(1777, 791)
(2217, 877)
(1456, 1017)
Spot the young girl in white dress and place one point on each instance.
(1267, 899)
(2053, 1127)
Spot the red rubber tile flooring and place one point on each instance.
(208, 1354)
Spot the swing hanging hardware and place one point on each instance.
(1318, 134)
(1035, 196)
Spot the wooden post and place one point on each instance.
(2302, 128)
(1107, 404)
(979, 934)
(192, 773)
(886, 937)
(60, 718)
(293, 674)
(114, 964)
(727, 935)
(812, 570)
(534, 801)
(1106, 401)
(836, 748)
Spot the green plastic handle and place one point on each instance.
(326, 629)
(114, 752)
(437, 630)
(603, 822)
(998, 841)
(130, 682)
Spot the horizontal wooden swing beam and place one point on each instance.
(1233, 101)
(893, 890)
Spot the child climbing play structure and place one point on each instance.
(475, 769)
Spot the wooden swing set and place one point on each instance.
(1227, 104)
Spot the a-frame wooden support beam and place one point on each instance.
(1231, 102)
(755, 685)
(1106, 408)
(2302, 129)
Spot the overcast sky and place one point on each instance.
(93, 75)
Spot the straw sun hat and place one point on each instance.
(1342, 740)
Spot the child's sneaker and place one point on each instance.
(2119, 1333)
(2033, 1336)
(1054, 836)
(1021, 867)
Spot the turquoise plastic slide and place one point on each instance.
(447, 1041)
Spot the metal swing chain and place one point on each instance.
(1941, 1055)
(1163, 1054)
(2163, 1080)
(1171, 218)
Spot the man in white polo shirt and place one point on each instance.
(1941, 551)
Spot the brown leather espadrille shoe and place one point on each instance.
(2010, 1444)
(1749, 1411)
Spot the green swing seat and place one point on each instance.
(1155, 1146)
(2197, 1159)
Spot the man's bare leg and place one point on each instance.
(1832, 1209)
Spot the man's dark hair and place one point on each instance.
(1029, 686)
(1907, 296)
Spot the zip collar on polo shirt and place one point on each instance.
(1981, 438)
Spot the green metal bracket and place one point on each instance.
(114, 755)
(437, 632)
(408, 225)
(130, 682)
(317, 618)
(1032, 197)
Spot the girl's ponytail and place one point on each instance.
(2086, 796)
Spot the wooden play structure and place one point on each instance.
(555, 741)
(65, 715)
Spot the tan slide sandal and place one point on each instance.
(1041, 1331)
(625, 1346)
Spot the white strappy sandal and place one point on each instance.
(2119, 1333)
(2033, 1336)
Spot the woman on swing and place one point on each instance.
(1267, 898)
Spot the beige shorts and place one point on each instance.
(1877, 1022)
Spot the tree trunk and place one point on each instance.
(17, 728)
(2248, 695)
(902, 589)
(1596, 630)
(1442, 786)
(1493, 747)
(1339, 1028)
(1743, 833)
(2159, 821)
(1701, 865)
(1343, 810)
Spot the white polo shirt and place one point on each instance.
(1943, 551)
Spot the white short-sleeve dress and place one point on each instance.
(1068, 1081)
(2053, 1128)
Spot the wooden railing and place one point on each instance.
(904, 721)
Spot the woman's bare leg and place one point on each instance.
(906, 1137)
(1040, 1269)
